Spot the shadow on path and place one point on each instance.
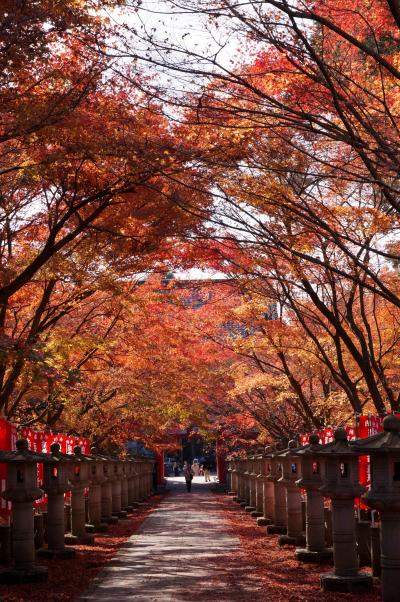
(182, 551)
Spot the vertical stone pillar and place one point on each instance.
(22, 491)
(268, 490)
(313, 471)
(56, 484)
(341, 484)
(252, 476)
(279, 525)
(116, 490)
(246, 483)
(239, 471)
(384, 496)
(130, 473)
(290, 474)
(79, 481)
(96, 480)
(107, 516)
(234, 479)
(124, 487)
(258, 512)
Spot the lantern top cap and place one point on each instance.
(292, 444)
(340, 434)
(22, 445)
(391, 423)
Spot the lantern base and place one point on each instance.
(100, 528)
(276, 530)
(320, 557)
(249, 509)
(263, 521)
(354, 583)
(243, 504)
(122, 514)
(59, 553)
(292, 540)
(232, 493)
(129, 509)
(235, 498)
(110, 520)
(35, 574)
(89, 528)
(79, 540)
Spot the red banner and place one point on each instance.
(8, 438)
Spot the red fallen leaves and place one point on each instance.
(262, 570)
(68, 579)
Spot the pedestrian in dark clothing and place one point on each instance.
(188, 474)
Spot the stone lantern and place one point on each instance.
(384, 496)
(56, 484)
(234, 479)
(312, 477)
(279, 525)
(79, 478)
(268, 489)
(258, 512)
(131, 479)
(246, 483)
(124, 487)
(116, 489)
(107, 516)
(240, 480)
(252, 476)
(289, 478)
(341, 484)
(22, 490)
(96, 480)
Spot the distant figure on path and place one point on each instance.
(206, 469)
(188, 474)
(196, 468)
(175, 468)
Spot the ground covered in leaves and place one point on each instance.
(68, 579)
(262, 570)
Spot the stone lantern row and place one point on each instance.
(113, 487)
(269, 486)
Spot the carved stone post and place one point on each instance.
(116, 489)
(124, 486)
(96, 480)
(79, 481)
(341, 484)
(106, 492)
(258, 512)
(234, 478)
(384, 496)
(279, 525)
(131, 477)
(22, 491)
(246, 483)
(312, 476)
(268, 489)
(252, 476)
(240, 476)
(294, 517)
(56, 484)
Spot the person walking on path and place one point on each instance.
(206, 469)
(188, 474)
